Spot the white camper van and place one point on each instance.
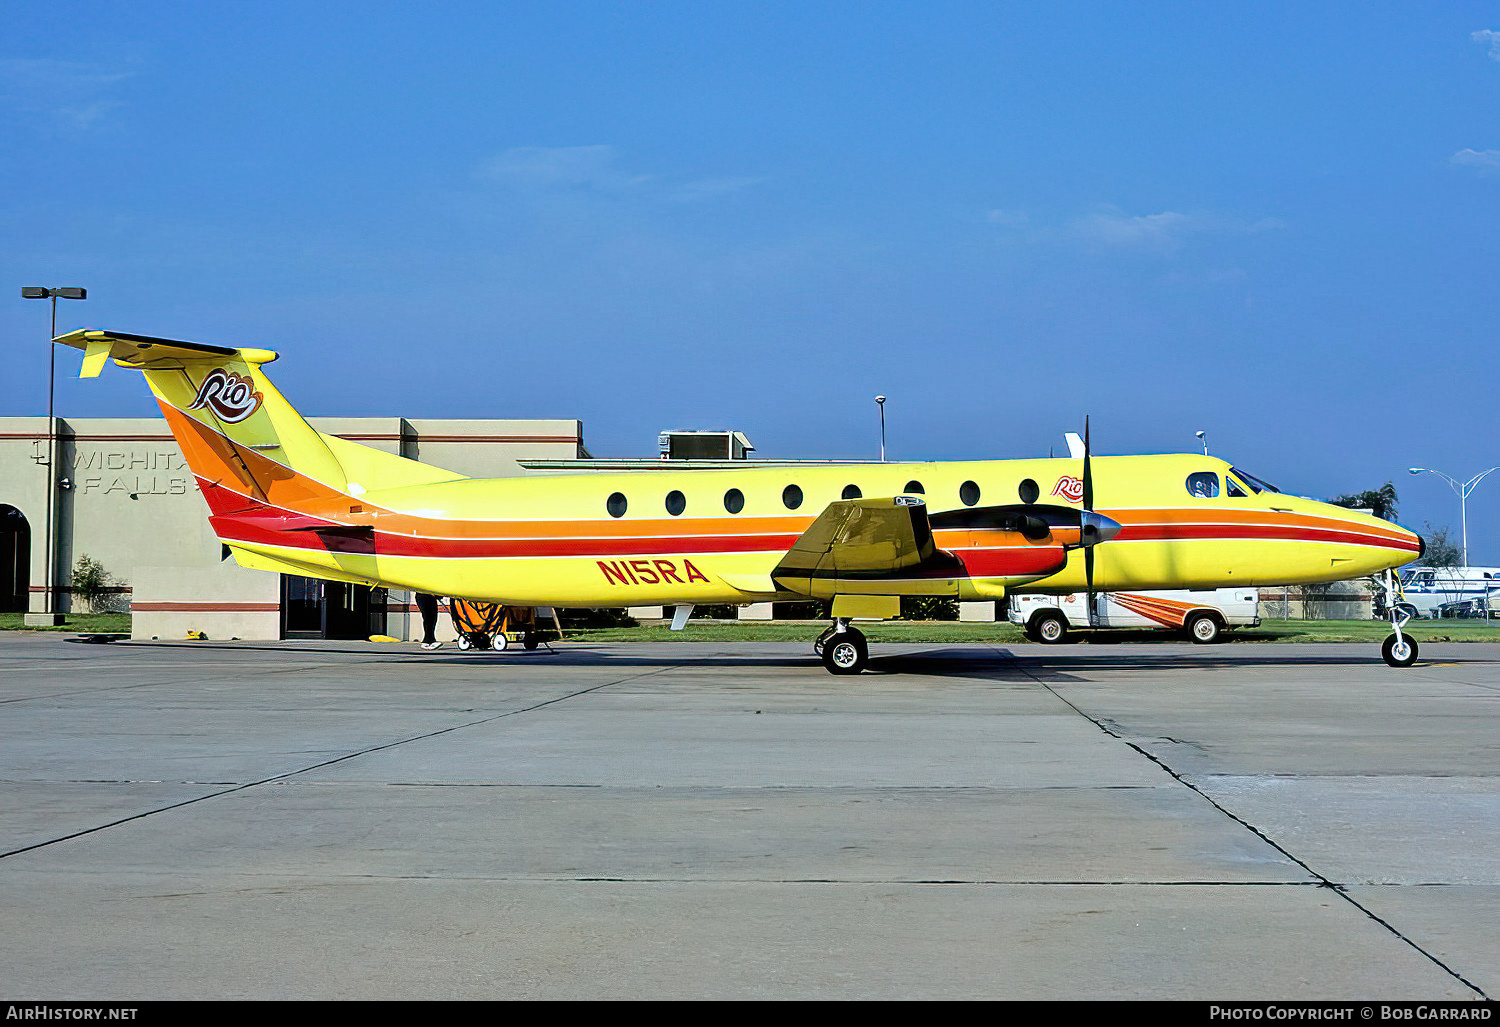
(1205, 614)
(1425, 590)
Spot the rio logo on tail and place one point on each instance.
(230, 396)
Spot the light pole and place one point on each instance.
(880, 402)
(1203, 438)
(1463, 490)
(39, 292)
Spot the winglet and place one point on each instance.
(94, 357)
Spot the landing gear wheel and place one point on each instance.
(530, 641)
(1400, 652)
(821, 641)
(1050, 628)
(499, 642)
(1203, 628)
(465, 642)
(846, 653)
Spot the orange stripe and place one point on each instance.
(213, 457)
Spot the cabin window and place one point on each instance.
(915, 487)
(676, 502)
(1255, 484)
(616, 505)
(734, 501)
(851, 492)
(1203, 485)
(791, 497)
(968, 493)
(1232, 487)
(1029, 492)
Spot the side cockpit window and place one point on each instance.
(1255, 484)
(1232, 488)
(1203, 485)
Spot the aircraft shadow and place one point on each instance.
(980, 661)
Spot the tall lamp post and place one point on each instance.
(880, 402)
(1463, 489)
(38, 292)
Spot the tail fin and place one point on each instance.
(245, 443)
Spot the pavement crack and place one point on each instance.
(1322, 881)
(322, 764)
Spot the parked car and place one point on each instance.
(1204, 614)
(1427, 590)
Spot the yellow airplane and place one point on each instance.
(285, 497)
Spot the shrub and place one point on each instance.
(93, 584)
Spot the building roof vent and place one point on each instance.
(703, 445)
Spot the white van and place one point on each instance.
(1205, 614)
(1425, 590)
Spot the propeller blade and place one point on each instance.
(1088, 473)
(1085, 518)
(1088, 575)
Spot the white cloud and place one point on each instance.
(75, 92)
(1113, 229)
(709, 188)
(1490, 38)
(599, 171)
(1109, 228)
(1146, 231)
(1484, 160)
(564, 167)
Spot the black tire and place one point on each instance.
(499, 642)
(464, 641)
(846, 653)
(1403, 656)
(1204, 628)
(1050, 628)
(530, 641)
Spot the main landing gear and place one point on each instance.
(1397, 650)
(843, 649)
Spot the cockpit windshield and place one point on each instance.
(1255, 483)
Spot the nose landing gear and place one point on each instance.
(1397, 650)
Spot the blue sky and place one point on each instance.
(1273, 222)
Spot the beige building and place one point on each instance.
(122, 494)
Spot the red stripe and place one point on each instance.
(1170, 532)
(204, 607)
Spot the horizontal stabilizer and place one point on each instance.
(148, 352)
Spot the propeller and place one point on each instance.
(1088, 532)
(1093, 527)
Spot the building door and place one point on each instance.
(311, 608)
(301, 607)
(15, 560)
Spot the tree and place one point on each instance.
(92, 583)
(1381, 502)
(1440, 552)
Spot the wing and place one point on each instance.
(865, 553)
(864, 542)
